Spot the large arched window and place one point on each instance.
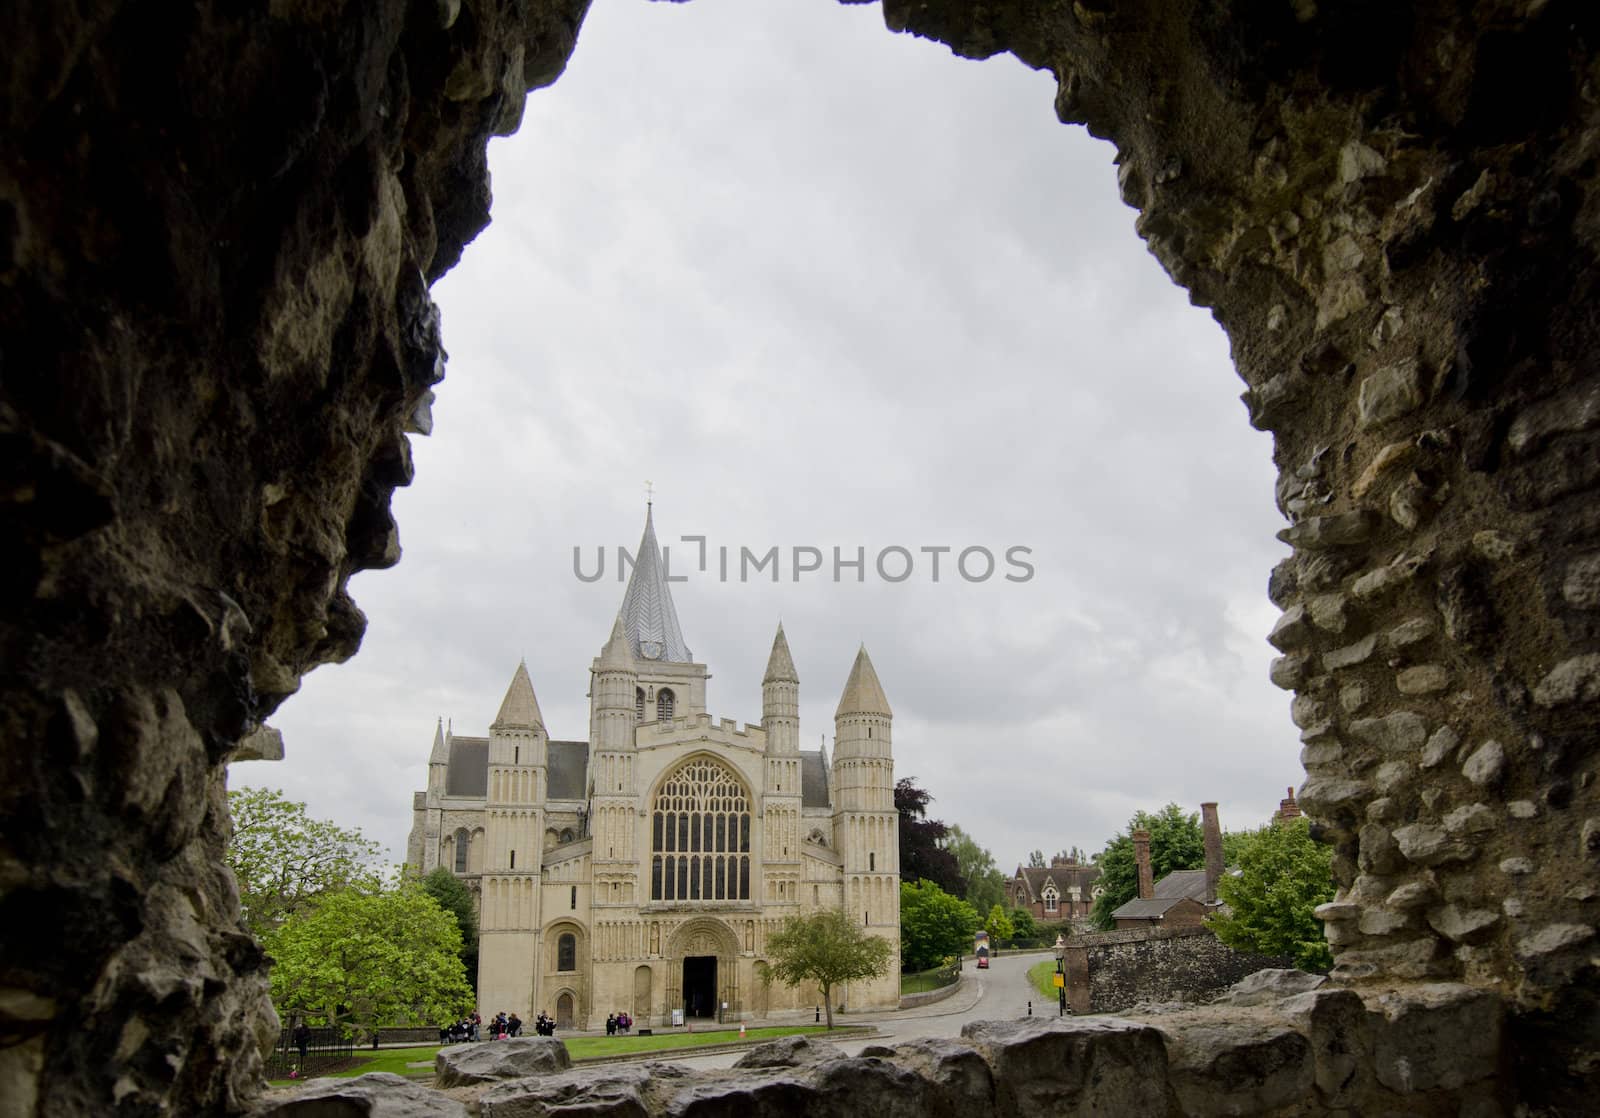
(463, 842)
(665, 701)
(700, 835)
(567, 952)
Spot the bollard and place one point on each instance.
(1030, 1007)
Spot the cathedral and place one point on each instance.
(642, 870)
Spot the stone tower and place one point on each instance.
(865, 823)
(780, 721)
(518, 747)
(613, 794)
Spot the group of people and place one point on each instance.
(618, 1023)
(544, 1024)
(505, 1024)
(459, 1032)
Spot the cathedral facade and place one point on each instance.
(642, 870)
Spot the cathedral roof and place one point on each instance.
(468, 774)
(863, 694)
(520, 708)
(780, 665)
(648, 616)
(617, 656)
(567, 774)
(441, 751)
(813, 779)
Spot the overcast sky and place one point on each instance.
(826, 286)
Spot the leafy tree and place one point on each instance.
(998, 925)
(922, 853)
(933, 925)
(455, 898)
(825, 947)
(1283, 875)
(982, 883)
(1024, 927)
(1233, 844)
(1036, 859)
(283, 858)
(1176, 843)
(354, 958)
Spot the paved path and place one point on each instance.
(1002, 991)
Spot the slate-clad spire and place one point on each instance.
(520, 708)
(441, 751)
(648, 616)
(780, 665)
(863, 694)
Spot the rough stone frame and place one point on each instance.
(215, 332)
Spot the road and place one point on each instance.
(1002, 991)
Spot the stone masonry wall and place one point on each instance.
(1160, 965)
(218, 224)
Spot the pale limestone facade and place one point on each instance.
(643, 869)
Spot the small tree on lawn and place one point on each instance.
(368, 959)
(998, 925)
(827, 948)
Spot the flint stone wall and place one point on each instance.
(1134, 965)
(218, 227)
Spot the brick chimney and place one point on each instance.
(1288, 810)
(1141, 855)
(1213, 835)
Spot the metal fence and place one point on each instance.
(924, 981)
(326, 1050)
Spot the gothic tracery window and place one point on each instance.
(700, 835)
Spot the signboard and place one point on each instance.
(1061, 980)
(677, 1018)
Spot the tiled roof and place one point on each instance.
(1179, 885)
(567, 773)
(1083, 875)
(468, 774)
(813, 779)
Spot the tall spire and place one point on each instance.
(780, 666)
(648, 616)
(863, 694)
(520, 708)
(441, 752)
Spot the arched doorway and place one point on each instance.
(703, 971)
(564, 1011)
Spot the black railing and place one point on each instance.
(326, 1050)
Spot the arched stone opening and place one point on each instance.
(1401, 253)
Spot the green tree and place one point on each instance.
(998, 925)
(1283, 875)
(825, 947)
(367, 959)
(933, 925)
(283, 858)
(983, 885)
(1176, 843)
(1024, 927)
(455, 898)
(1036, 859)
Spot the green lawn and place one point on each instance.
(579, 1048)
(1043, 977)
(922, 982)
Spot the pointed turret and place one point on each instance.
(617, 655)
(780, 665)
(441, 751)
(520, 708)
(863, 694)
(648, 615)
(613, 693)
(780, 701)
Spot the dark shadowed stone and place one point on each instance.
(1269, 985)
(1337, 1024)
(1239, 1065)
(789, 1052)
(835, 1089)
(500, 1059)
(1102, 1065)
(378, 1095)
(962, 1084)
(1439, 1035)
(585, 1093)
